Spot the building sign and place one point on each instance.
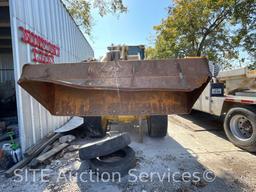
(43, 50)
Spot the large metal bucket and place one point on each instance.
(146, 87)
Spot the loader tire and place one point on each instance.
(115, 164)
(105, 146)
(157, 125)
(240, 128)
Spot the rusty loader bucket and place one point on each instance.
(146, 87)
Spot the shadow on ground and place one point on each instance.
(206, 122)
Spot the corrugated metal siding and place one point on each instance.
(6, 68)
(49, 19)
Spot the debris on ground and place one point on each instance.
(32, 153)
(56, 147)
(72, 148)
(56, 143)
(67, 139)
(181, 151)
(51, 152)
(42, 153)
(69, 155)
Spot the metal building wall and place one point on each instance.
(50, 20)
(6, 67)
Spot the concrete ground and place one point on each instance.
(195, 156)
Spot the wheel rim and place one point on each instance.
(241, 127)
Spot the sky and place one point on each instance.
(132, 28)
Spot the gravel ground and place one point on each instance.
(176, 163)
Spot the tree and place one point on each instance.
(252, 66)
(81, 10)
(219, 29)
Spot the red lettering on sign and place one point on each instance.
(42, 57)
(43, 51)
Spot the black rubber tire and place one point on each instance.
(120, 166)
(250, 144)
(157, 125)
(104, 146)
(94, 127)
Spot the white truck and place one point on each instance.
(231, 95)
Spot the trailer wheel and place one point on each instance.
(157, 125)
(95, 127)
(240, 128)
(114, 164)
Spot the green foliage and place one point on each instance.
(81, 10)
(150, 53)
(218, 29)
(252, 66)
